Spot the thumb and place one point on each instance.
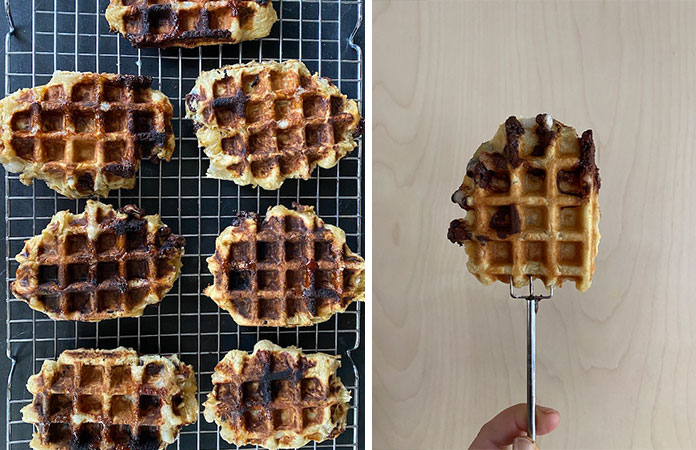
(501, 431)
(523, 443)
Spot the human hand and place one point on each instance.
(509, 427)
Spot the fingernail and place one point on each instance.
(546, 410)
(522, 443)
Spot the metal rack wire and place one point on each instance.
(73, 35)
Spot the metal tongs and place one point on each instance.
(532, 309)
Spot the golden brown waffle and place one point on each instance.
(110, 400)
(277, 397)
(85, 133)
(260, 123)
(99, 264)
(289, 270)
(532, 209)
(166, 23)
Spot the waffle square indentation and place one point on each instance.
(59, 434)
(91, 376)
(571, 218)
(312, 417)
(534, 181)
(312, 389)
(284, 419)
(535, 251)
(84, 122)
(84, 92)
(239, 280)
(499, 252)
(112, 93)
(570, 253)
(59, 407)
(254, 421)
(83, 150)
(314, 106)
(114, 121)
(75, 243)
(294, 250)
(535, 218)
(109, 300)
(89, 404)
(267, 251)
(52, 120)
(21, 121)
(149, 408)
(53, 150)
(268, 280)
(269, 308)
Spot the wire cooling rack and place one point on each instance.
(73, 35)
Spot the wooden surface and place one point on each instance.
(619, 361)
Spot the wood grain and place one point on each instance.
(619, 361)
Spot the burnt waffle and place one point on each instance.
(110, 400)
(99, 264)
(261, 123)
(174, 23)
(531, 196)
(85, 133)
(277, 397)
(289, 270)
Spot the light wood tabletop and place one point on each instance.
(618, 361)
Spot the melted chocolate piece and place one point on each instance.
(545, 136)
(505, 221)
(513, 132)
(489, 172)
(587, 163)
(574, 181)
(457, 232)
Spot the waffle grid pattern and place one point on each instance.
(274, 121)
(199, 22)
(268, 278)
(556, 239)
(83, 277)
(107, 399)
(91, 127)
(186, 322)
(276, 396)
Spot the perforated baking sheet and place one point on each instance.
(327, 36)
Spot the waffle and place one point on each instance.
(277, 397)
(289, 270)
(85, 133)
(261, 123)
(110, 400)
(532, 208)
(167, 23)
(100, 264)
